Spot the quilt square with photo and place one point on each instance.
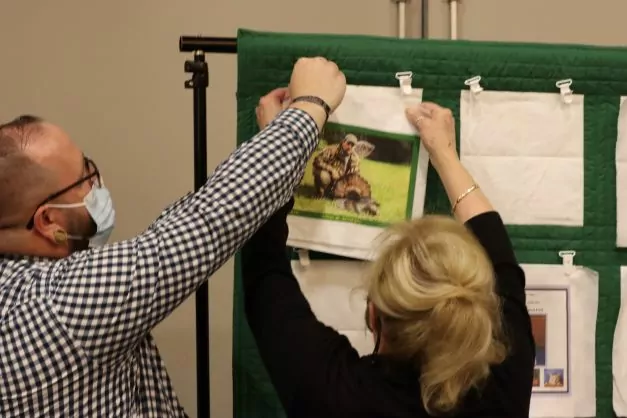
(359, 175)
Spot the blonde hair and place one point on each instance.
(433, 289)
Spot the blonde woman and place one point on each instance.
(446, 305)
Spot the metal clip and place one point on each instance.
(567, 257)
(565, 91)
(404, 80)
(474, 85)
(303, 257)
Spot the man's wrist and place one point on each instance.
(316, 111)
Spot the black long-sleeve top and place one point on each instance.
(318, 374)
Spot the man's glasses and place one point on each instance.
(92, 176)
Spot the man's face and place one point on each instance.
(54, 150)
(347, 146)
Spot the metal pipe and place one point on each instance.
(401, 19)
(424, 19)
(212, 45)
(453, 15)
(401, 6)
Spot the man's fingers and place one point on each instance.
(277, 94)
(286, 102)
(279, 91)
(258, 114)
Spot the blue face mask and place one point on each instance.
(99, 205)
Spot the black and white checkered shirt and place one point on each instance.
(75, 333)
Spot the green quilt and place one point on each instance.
(265, 61)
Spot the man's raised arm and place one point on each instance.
(110, 298)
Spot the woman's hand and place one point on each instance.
(436, 127)
(271, 105)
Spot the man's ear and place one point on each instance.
(47, 223)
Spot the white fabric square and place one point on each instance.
(619, 351)
(565, 357)
(376, 107)
(621, 176)
(525, 150)
(335, 291)
(381, 109)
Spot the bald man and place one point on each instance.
(75, 313)
(36, 158)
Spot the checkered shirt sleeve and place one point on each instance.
(110, 298)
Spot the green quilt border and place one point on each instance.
(265, 61)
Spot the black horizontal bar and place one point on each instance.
(213, 45)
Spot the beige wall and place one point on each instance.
(110, 72)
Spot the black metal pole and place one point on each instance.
(199, 83)
(214, 45)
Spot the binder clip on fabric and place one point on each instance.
(303, 257)
(565, 91)
(567, 257)
(473, 83)
(404, 80)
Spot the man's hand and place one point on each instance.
(321, 78)
(335, 175)
(271, 105)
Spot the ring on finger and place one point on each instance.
(419, 119)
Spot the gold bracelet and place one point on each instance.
(463, 195)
